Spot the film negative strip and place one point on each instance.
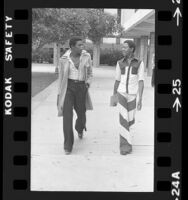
(17, 134)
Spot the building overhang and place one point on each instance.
(142, 23)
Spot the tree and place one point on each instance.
(56, 26)
(101, 25)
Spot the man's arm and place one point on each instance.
(140, 93)
(89, 72)
(117, 78)
(140, 85)
(114, 99)
(116, 85)
(60, 76)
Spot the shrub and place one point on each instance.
(43, 56)
(108, 56)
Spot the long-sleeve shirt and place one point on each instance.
(84, 71)
(85, 68)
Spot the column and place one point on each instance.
(143, 50)
(55, 54)
(118, 40)
(137, 50)
(150, 54)
(119, 22)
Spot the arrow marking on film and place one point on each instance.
(177, 104)
(178, 14)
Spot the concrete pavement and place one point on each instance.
(95, 163)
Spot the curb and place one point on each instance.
(43, 95)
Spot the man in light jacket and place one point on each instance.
(75, 74)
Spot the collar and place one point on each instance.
(66, 55)
(131, 59)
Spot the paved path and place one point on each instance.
(43, 68)
(95, 163)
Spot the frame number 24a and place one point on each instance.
(176, 185)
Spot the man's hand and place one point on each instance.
(87, 85)
(114, 100)
(139, 105)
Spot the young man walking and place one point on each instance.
(128, 87)
(75, 73)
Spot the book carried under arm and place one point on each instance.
(114, 100)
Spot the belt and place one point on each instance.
(75, 81)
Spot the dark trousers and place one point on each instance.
(74, 99)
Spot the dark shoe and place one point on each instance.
(67, 152)
(80, 135)
(125, 147)
(126, 150)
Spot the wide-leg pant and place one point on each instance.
(74, 99)
(127, 109)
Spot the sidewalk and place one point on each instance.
(38, 67)
(95, 163)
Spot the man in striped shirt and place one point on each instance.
(129, 85)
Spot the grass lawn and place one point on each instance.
(41, 80)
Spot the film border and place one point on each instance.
(16, 140)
